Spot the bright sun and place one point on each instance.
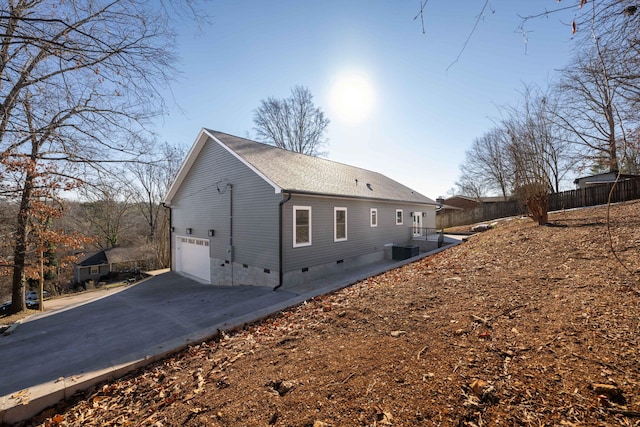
(352, 98)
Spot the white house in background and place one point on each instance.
(601, 178)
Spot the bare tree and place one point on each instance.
(150, 182)
(469, 185)
(631, 154)
(486, 163)
(537, 152)
(107, 211)
(531, 185)
(293, 123)
(78, 85)
(593, 108)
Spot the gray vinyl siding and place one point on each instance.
(361, 237)
(199, 205)
(83, 273)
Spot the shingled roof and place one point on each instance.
(293, 172)
(107, 256)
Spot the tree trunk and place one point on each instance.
(20, 249)
(539, 208)
(41, 282)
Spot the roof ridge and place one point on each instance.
(289, 152)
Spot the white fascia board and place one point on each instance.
(275, 186)
(186, 165)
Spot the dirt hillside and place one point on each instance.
(521, 325)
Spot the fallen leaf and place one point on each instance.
(477, 385)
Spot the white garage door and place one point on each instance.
(192, 257)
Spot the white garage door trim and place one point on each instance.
(192, 257)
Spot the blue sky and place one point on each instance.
(424, 111)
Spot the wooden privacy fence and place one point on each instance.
(484, 212)
(628, 189)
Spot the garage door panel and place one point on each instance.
(192, 257)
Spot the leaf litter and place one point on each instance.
(521, 325)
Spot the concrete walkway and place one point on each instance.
(52, 355)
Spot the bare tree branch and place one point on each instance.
(293, 123)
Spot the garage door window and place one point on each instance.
(199, 242)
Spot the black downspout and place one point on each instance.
(280, 249)
(170, 236)
(230, 187)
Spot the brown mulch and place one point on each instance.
(521, 325)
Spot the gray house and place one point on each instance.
(246, 213)
(98, 264)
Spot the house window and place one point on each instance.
(301, 226)
(399, 219)
(339, 224)
(374, 217)
(94, 270)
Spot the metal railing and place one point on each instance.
(427, 235)
(422, 233)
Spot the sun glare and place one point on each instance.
(352, 98)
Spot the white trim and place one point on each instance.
(335, 225)
(293, 222)
(399, 211)
(373, 211)
(186, 165)
(195, 150)
(416, 224)
(275, 186)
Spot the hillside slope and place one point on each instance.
(521, 325)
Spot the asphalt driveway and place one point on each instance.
(160, 313)
(51, 356)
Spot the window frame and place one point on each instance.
(373, 213)
(295, 226)
(94, 269)
(401, 222)
(335, 224)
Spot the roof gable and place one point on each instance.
(287, 171)
(93, 258)
(107, 256)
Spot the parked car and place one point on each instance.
(31, 299)
(33, 295)
(5, 307)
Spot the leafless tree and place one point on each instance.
(593, 111)
(631, 154)
(536, 152)
(79, 81)
(469, 185)
(293, 123)
(107, 212)
(487, 164)
(151, 180)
